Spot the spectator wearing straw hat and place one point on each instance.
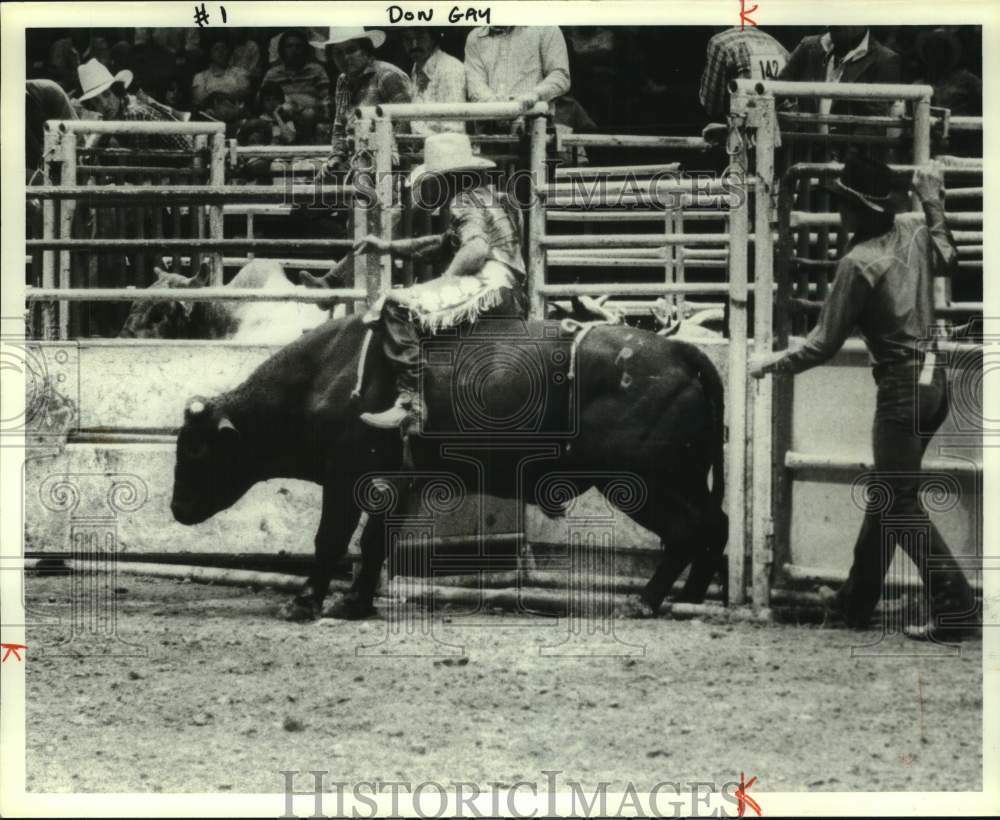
(884, 286)
(436, 77)
(105, 93)
(484, 273)
(363, 81)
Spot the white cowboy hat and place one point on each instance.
(345, 33)
(95, 79)
(447, 152)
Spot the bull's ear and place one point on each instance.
(226, 427)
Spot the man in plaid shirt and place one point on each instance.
(745, 53)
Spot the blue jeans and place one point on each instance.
(906, 417)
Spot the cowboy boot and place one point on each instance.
(408, 413)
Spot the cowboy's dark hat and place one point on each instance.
(865, 182)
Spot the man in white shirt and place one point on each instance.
(436, 77)
(524, 63)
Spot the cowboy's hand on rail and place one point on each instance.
(527, 100)
(371, 244)
(928, 181)
(760, 366)
(332, 167)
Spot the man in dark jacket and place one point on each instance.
(844, 54)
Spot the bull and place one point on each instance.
(261, 322)
(615, 401)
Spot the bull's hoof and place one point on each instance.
(298, 611)
(634, 606)
(348, 609)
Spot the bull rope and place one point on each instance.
(581, 329)
(356, 392)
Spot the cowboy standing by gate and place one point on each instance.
(485, 272)
(884, 286)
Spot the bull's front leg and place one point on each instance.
(339, 518)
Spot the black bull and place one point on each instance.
(504, 416)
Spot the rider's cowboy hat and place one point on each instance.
(345, 33)
(865, 182)
(444, 153)
(95, 79)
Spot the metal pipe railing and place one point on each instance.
(206, 243)
(633, 141)
(841, 91)
(634, 288)
(136, 127)
(209, 294)
(636, 240)
(102, 194)
(452, 111)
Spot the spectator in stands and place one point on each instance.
(737, 53)
(436, 77)
(98, 50)
(273, 110)
(165, 60)
(569, 117)
(523, 63)
(955, 88)
(44, 100)
(221, 75)
(247, 55)
(364, 81)
(106, 94)
(64, 60)
(303, 81)
(221, 106)
(845, 54)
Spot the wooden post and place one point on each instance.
(66, 210)
(52, 149)
(217, 177)
(360, 218)
(536, 223)
(763, 522)
(736, 399)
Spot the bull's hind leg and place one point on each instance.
(679, 526)
(709, 560)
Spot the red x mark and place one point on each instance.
(12, 648)
(744, 15)
(743, 799)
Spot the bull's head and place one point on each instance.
(210, 474)
(165, 320)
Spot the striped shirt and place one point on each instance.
(137, 110)
(484, 213)
(379, 83)
(738, 54)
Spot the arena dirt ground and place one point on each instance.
(228, 696)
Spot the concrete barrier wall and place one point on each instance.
(138, 388)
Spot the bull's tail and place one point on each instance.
(713, 387)
(711, 383)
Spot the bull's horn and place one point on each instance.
(160, 274)
(201, 278)
(225, 425)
